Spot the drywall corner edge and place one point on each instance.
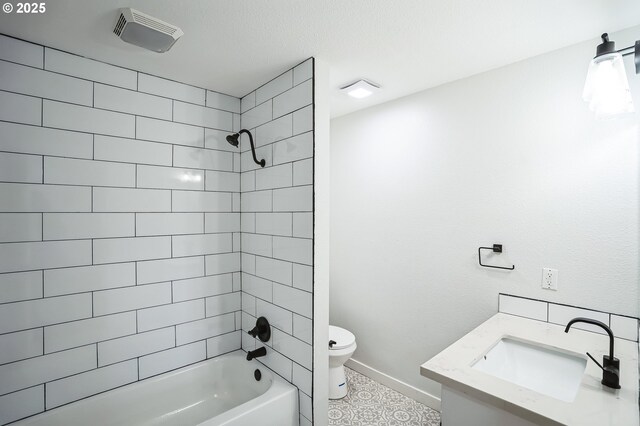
(321, 229)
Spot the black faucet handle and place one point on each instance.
(594, 360)
(610, 371)
(262, 330)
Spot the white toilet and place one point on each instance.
(342, 344)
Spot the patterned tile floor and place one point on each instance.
(368, 403)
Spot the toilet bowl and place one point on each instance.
(342, 344)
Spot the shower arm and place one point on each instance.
(261, 163)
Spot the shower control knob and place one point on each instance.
(262, 330)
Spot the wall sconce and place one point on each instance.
(606, 88)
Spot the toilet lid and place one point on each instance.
(342, 337)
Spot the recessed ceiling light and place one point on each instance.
(360, 89)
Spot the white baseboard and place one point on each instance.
(395, 384)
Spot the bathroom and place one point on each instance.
(223, 234)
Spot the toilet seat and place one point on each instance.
(343, 338)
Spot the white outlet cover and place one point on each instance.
(550, 279)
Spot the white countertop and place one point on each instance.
(594, 404)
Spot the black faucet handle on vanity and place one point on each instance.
(610, 374)
(262, 330)
(610, 364)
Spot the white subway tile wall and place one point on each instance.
(623, 327)
(560, 314)
(21, 52)
(277, 225)
(117, 227)
(533, 309)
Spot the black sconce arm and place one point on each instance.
(635, 51)
(607, 47)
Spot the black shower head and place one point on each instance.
(233, 139)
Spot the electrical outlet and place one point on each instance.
(550, 279)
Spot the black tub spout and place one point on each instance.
(257, 353)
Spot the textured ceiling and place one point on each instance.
(404, 45)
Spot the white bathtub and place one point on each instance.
(219, 391)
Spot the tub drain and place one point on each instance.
(257, 374)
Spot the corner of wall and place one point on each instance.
(321, 239)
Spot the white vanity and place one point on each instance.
(521, 372)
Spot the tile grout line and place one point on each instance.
(118, 86)
(121, 112)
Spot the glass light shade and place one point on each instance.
(606, 88)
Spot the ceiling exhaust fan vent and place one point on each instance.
(154, 23)
(119, 25)
(146, 31)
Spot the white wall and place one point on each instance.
(511, 156)
(321, 245)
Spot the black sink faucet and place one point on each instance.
(257, 353)
(610, 365)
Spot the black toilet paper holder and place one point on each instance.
(497, 248)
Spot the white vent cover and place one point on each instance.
(146, 31)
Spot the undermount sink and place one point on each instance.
(547, 371)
